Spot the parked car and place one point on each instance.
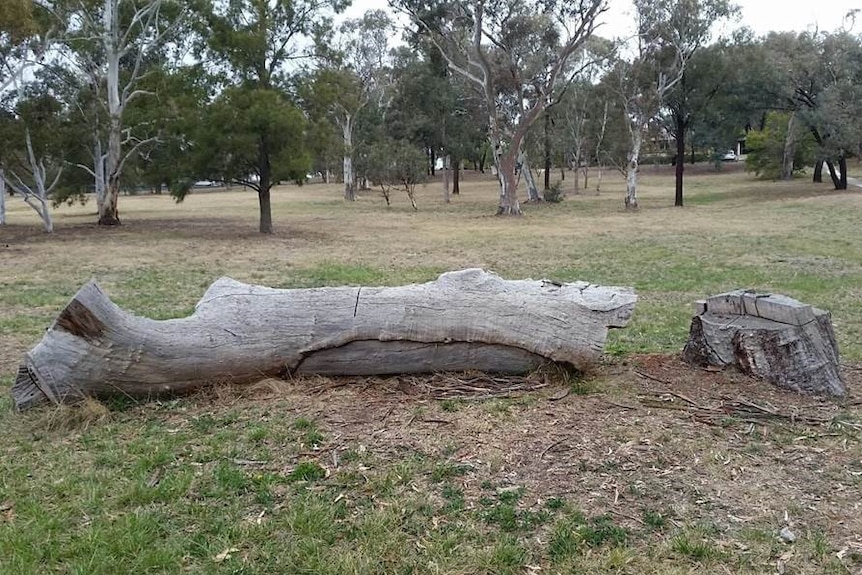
(729, 156)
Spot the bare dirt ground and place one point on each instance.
(648, 435)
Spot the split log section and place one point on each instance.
(243, 333)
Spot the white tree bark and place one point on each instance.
(599, 143)
(120, 44)
(35, 195)
(349, 179)
(529, 180)
(243, 333)
(636, 132)
(471, 61)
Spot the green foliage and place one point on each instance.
(766, 147)
(234, 130)
(555, 194)
(396, 165)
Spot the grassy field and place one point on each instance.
(619, 472)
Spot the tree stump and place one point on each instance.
(773, 337)
(242, 333)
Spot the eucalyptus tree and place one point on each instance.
(32, 149)
(354, 74)
(111, 46)
(515, 54)
(250, 47)
(669, 34)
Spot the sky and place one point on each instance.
(760, 15)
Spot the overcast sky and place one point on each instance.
(760, 15)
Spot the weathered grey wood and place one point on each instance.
(790, 344)
(242, 333)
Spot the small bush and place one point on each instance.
(555, 193)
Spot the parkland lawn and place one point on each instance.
(624, 470)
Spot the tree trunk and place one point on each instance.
(433, 161)
(505, 164)
(265, 204)
(2, 199)
(773, 337)
(818, 172)
(842, 166)
(833, 175)
(482, 159)
(789, 148)
(577, 184)
(446, 179)
(680, 126)
(456, 177)
(529, 180)
(108, 212)
(349, 180)
(632, 168)
(547, 181)
(241, 333)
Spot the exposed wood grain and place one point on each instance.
(790, 344)
(241, 333)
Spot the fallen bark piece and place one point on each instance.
(242, 333)
(776, 338)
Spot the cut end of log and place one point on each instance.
(770, 336)
(25, 391)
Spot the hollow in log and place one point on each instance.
(242, 333)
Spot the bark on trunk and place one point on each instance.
(456, 177)
(789, 148)
(263, 193)
(818, 172)
(547, 181)
(773, 337)
(680, 157)
(242, 333)
(265, 204)
(842, 166)
(108, 212)
(833, 175)
(529, 180)
(349, 180)
(446, 179)
(632, 169)
(2, 199)
(509, 204)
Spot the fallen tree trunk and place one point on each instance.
(242, 333)
(773, 337)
